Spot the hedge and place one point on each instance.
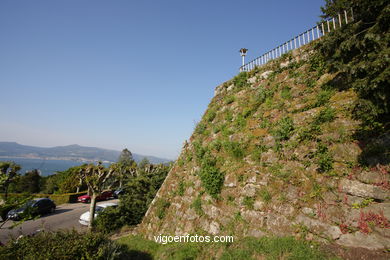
(57, 198)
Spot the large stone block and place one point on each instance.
(319, 228)
(368, 241)
(359, 189)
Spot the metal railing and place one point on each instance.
(304, 38)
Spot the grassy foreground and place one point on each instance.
(247, 248)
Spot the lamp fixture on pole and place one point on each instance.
(243, 53)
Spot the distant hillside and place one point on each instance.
(69, 152)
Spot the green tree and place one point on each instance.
(359, 52)
(334, 7)
(140, 191)
(126, 158)
(64, 182)
(142, 164)
(30, 182)
(95, 176)
(8, 175)
(125, 167)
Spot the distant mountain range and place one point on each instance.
(69, 152)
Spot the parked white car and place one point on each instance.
(84, 218)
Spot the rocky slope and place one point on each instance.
(276, 154)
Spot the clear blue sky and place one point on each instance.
(124, 73)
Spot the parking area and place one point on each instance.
(66, 216)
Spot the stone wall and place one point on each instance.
(308, 184)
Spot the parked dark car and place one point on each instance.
(118, 192)
(33, 208)
(104, 196)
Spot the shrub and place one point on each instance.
(216, 145)
(246, 248)
(211, 177)
(374, 153)
(226, 131)
(106, 221)
(189, 157)
(229, 99)
(211, 114)
(217, 128)
(362, 204)
(310, 82)
(63, 245)
(285, 93)
(248, 202)
(317, 63)
(199, 150)
(241, 80)
(181, 188)
(265, 123)
(357, 51)
(284, 129)
(197, 206)
(276, 170)
(323, 97)
(200, 128)
(161, 206)
(324, 158)
(140, 191)
(265, 195)
(240, 122)
(257, 151)
(180, 162)
(325, 115)
(234, 149)
(370, 218)
(309, 133)
(263, 94)
(229, 116)
(248, 111)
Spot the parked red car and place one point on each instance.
(104, 196)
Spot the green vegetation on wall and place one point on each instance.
(357, 52)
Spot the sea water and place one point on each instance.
(46, 167)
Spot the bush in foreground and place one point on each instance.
(246, 248)
(62, 245)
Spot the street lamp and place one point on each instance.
(243, 53)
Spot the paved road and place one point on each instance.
(66, 216)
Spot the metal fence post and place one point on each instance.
(318, 32)
(353, 18)
(339, 15)
(292, 43)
